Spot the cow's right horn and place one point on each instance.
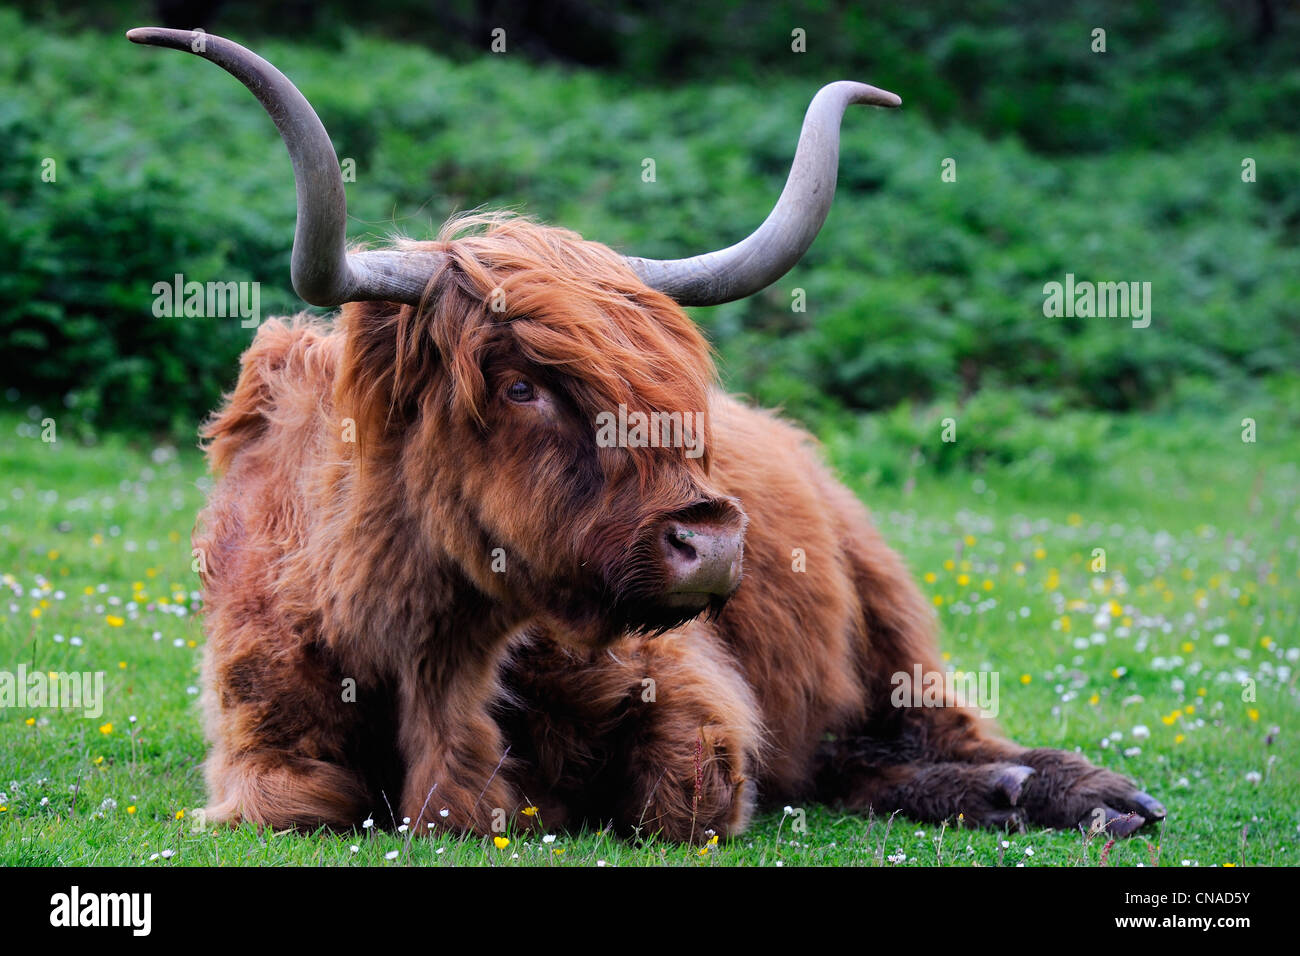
(324, 272)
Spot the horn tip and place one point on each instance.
(879, 97)
(847, 92)
(159, 36)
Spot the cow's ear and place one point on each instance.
(389, 363)
(400, 360)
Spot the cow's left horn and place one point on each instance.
(772, 250)
(324, 272)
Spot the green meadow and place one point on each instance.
(1176, 665)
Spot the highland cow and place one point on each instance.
(428, 586)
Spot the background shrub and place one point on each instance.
(920, 295)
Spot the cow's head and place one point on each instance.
(499, 402)
(542, 400)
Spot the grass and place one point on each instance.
(1199, 597)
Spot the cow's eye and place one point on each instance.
(521, 392)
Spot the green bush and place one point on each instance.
(918, 290)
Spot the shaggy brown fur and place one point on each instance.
(423, 594)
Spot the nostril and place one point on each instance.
(678, 539)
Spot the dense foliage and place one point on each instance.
(919, 291)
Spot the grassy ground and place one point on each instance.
(1143, 666)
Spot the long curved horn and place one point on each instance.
(785, 235)
(324, 272)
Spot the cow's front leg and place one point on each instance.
(454, 759)
(658, 735)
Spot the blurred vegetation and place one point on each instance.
(922, 296)
(1026, 69)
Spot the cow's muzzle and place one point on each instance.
(702, 560)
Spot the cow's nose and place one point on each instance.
(702, 559)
